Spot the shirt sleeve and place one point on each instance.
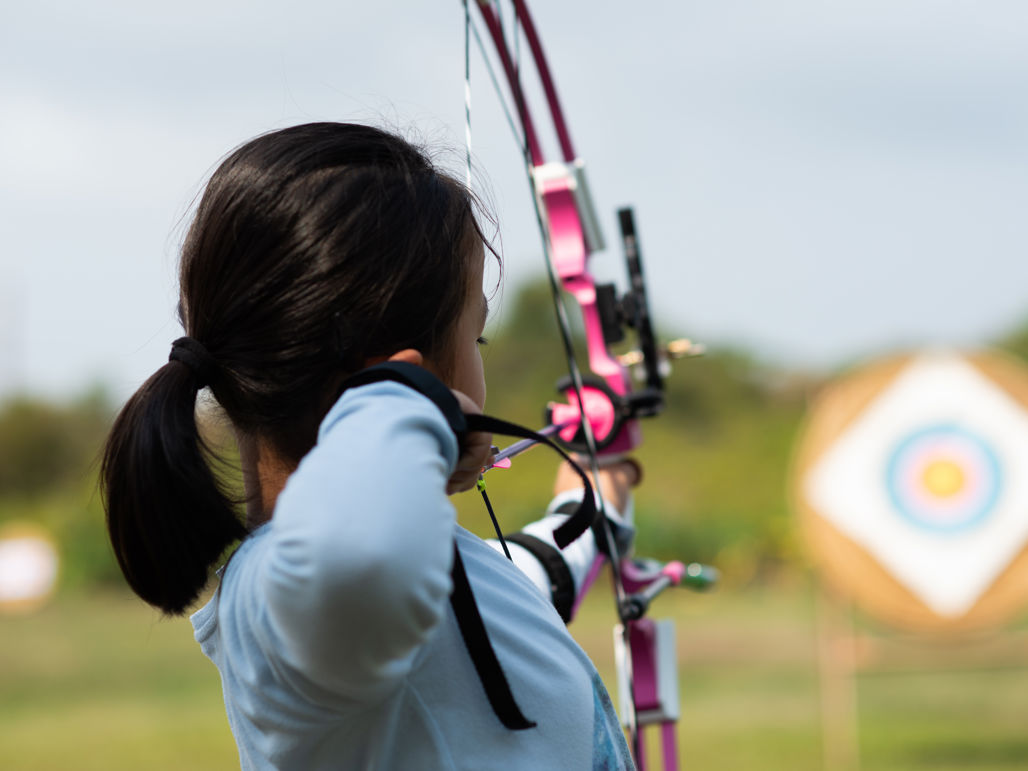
(357, 572)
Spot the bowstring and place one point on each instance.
(563, 324)
(511, 123)
(467, 91)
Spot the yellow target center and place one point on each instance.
(943, 478)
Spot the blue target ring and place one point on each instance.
(944, 479)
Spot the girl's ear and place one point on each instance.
(409, 355)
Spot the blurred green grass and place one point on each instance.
(99, 681)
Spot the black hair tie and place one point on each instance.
(192, 353)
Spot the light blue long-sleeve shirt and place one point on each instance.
(333, 632)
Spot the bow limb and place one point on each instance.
(569, 233)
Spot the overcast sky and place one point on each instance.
(819, 181)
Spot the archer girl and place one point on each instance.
(339, 626)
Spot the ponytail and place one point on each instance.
(314, 249)
(167, 517)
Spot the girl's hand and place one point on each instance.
(474, 454)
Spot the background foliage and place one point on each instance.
(716, 461)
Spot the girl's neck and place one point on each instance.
(264, 475)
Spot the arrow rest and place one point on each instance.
(606, 410)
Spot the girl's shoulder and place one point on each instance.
(225, 598)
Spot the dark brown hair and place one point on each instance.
(313, 250)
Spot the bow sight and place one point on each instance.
(606, 409)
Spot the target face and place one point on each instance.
(943, 479)
(931, 479)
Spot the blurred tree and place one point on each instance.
(44, 446)
(716, 461)
(1016, 341)
(49, 460)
